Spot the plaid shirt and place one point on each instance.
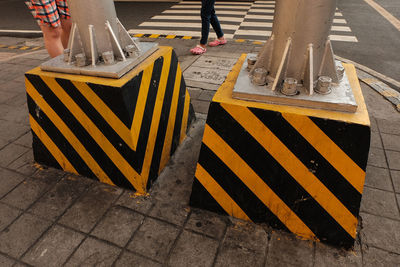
(48, 12)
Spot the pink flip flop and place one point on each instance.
(217, 42)
(198, 50)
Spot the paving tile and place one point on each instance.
(374, 257)
(389, 126)
(17, 114)
(207, 223)
(378, 178)
(6, 262)
(393, 159)
(376, 140)
(118, 225)
(396, 180)
(374, 125)
(49, 175)
(24, 164)
(9, 180)
(193, 250)
(137, 203)
(200, 106)
(377, 157)
(330, 256)
(5, 96)
(3, 143)
(10, 153)
(7, 215)
(18, 100)
(247, 235)
(58, 199)
(17, 238)
(380, 232)
(379, 202)
(232, 254)
(25, 140)
(175, 214)
(391, 141)
(26, 193)
(10, 131)
(93, 252)
(130, 259)
(194, 93)
(154, 244)
(285, 249)
(12, 87)
(54, 248)
(85, 213)
(206, 95)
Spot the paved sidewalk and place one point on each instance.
(51, 218)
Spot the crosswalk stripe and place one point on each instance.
(195, 18)
(229, 3)
(169, 11)
(186, 25)
(173, 32)
(217, 7)
(343, 38)
(265, 17)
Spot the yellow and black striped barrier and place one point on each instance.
(183, 37)
(21, 47)
(297, 169)
(121, 132)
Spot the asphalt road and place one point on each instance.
(378, 45)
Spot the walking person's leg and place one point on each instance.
(206, 8)
(218, 30)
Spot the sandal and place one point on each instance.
(198, 50)
(217, 42)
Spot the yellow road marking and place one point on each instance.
(294, 167)
(187, 37)
(68, 134)
(219, 194)
(240, 40)
(154, 36)
(328, 149)
(389, 17)
(24, 47)
(255, 183)
(170, 36)
(138, 35)
(53, 149)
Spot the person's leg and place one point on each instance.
(52, 39)
(215, 24)
(66, 29)
(206, 8)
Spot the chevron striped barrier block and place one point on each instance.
(297, 169)
(119, 131)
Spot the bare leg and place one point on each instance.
(52, 40)
(66, 29)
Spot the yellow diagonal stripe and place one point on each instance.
(255, 183)
(24, 47)
(72, 139)
(294, 167)
(119, 161)
(156, 116)
(141, 103)
(165, 155)
(219, 194)
(154, 36)
(170, 36)
(51, 147)
(328, 149)
(185, 116)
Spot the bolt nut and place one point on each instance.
(323, 85)
(66, 53)
(251, 60)
(108, 57)
(131, 50)
(260, 76)
(289, 87)
(340, 71)
(80, 60)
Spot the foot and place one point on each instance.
(217, 42)
(198, 50)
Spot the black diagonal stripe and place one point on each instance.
(191, 117)
(311, 158)
(59, 140)
(236, 189)
(148, 113)
(201, 198)
(163, 123)
(83, 136)
(353, 139)
(41, 154)
(277, 178)
(179, 115)
(121, 100)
